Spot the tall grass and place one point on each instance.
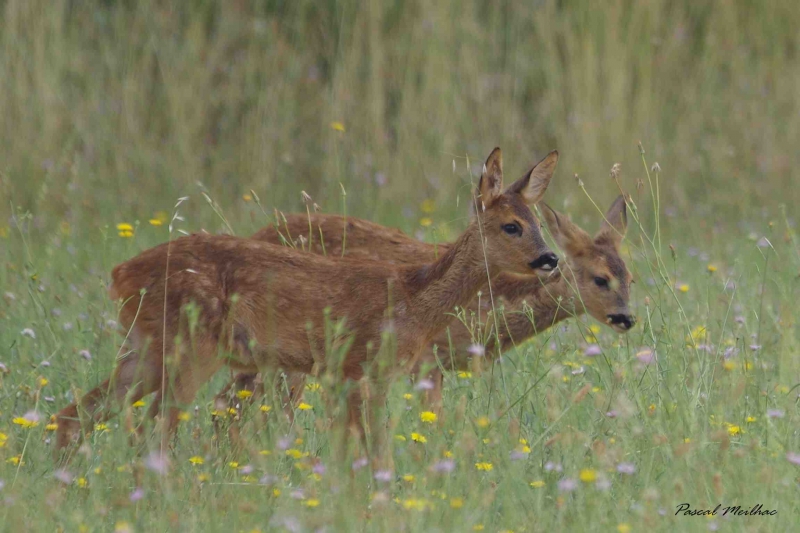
(113, 110)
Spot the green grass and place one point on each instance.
(113, 110)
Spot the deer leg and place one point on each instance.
(133, 378)
(434, 396)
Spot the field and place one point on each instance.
(113, 111)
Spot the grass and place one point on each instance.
(112, 111)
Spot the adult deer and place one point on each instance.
(195, 304)
(594, 280)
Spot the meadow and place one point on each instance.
(115, 112)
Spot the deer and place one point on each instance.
(593, 279)
(196, 304)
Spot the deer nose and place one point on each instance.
(625, 321)
(547, 262)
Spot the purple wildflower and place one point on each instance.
(246, 470)
(626, 468)
(550, 466)
(28, 332)
(383, 475)
(612, 414)
(318, 469)
(567, 485)
(424, 384)
(284, 443)
(445, 466)
(793, 458)
(85, 354)
(136, 495)
(592, 350)
(603, 484)
(775, 413)
(729, 352)
(476, 350)
(157, 462)
(646, 356)
(63, 476)
(360, 463)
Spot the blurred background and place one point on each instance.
(111, 110)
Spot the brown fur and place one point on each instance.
(257, 305)
(568, 293)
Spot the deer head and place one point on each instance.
(595, 265)
(511, 232)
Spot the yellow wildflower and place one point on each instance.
(16, 460)
(295, 453)
(734, 429)
(155, 222)
(683, 287)
(729, 365)
(265, 408)
(304, 406)
(48, 427)
(43, 382)
(428, 417)
(687, 440)
(233, 464)
(425, 222)
(196, 460)
(711, 268)
(538, 484)
(417, 504)
(482, 422)
(124, 226)
(265, 452)
(401, 438)
(750, 419)
(448, 454)
(409, 477)
(82, 483)
(3, 439)
(428, 206)
(184, 416)
(624, 528)
(456, 503)
(338, 126)
(416, 437)
(24, 422)
(102, 428)
(313, 387)
(465, 374)
(244, 394)
(138, 403)
(588, 475)
(484, 466)
(408, 396)
(312, 502)
(478, 527)
(247, 197)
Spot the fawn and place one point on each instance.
(595, 279)
(198, 303)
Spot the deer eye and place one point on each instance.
(512, 229)
(601, 282)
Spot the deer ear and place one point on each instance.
(569, 237)
(491, 184)
(533, 185)
(616, 222)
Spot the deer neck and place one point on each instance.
(550, 302)
(451, 281)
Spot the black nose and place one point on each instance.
(626, 321)
(548, 261)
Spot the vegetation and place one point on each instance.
(113, 110)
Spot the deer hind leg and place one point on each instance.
(193, 369)
(229, 398)
(133, 378)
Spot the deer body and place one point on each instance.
(201, 302)
(530, 304)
